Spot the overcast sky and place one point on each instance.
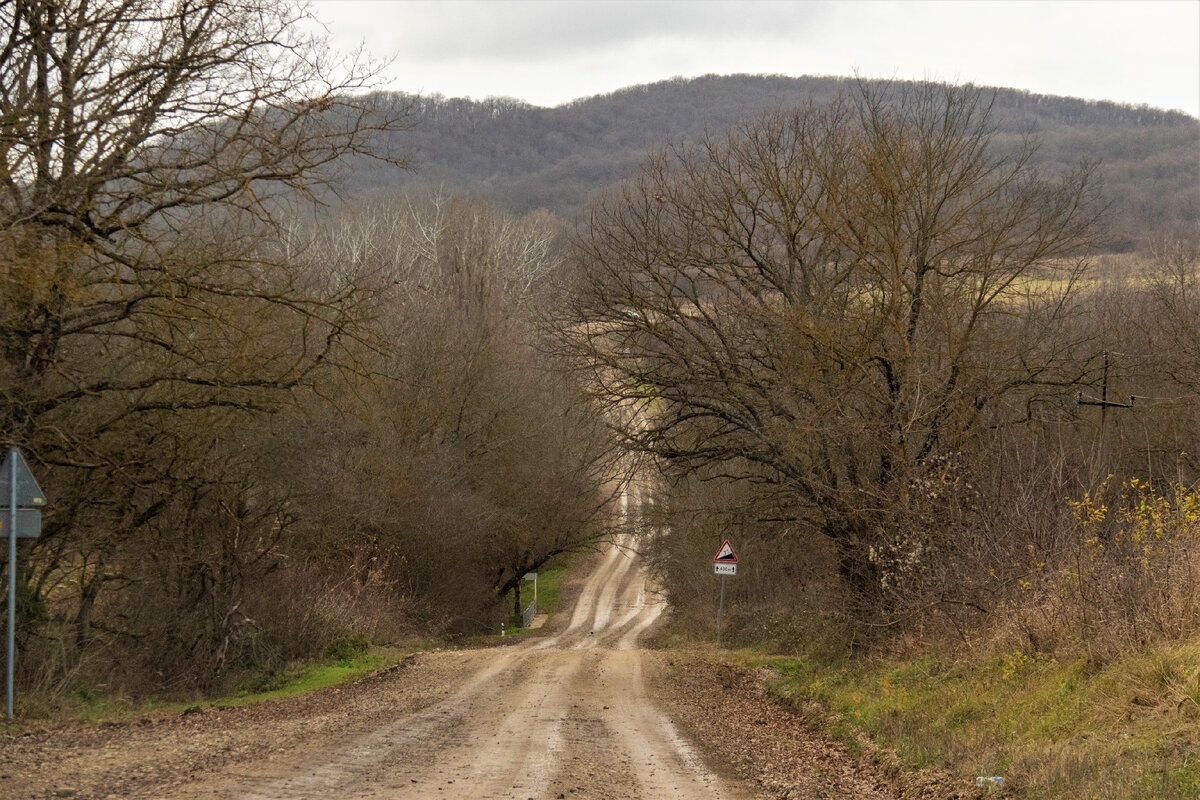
(550, 51)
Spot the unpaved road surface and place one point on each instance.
(565, 715)
(581, 712)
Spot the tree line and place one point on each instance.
(267, 426)
(525, 157)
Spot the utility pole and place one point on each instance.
(1105, 404)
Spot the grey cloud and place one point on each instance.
(530, 31)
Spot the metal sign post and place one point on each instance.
(724, 564)
(12, 573)
(23, 490)
(720, 610)
(530, 612)
(532, 576)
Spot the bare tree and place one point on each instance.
(467, 456)
(1176, 260)
(833, 302)
(147, 148)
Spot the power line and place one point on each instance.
(1105, 404)
(1165, 401)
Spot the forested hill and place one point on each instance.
(527, 157)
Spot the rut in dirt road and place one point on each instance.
(566, 716)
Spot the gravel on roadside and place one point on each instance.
(149, 755)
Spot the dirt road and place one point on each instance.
(572, 714)
(562, 716)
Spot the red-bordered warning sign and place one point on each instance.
(726, 555)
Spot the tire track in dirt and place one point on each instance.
(568, 715)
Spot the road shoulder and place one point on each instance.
(726, 712)
(159, 754)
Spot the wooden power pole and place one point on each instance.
(1105, 404)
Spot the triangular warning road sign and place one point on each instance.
(726, 555)
(28, 491)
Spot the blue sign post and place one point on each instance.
(18, 485)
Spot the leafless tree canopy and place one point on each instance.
(833, 302)
(120, 112)
(144, 144)
(477, 458)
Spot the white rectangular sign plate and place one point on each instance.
(725, 569)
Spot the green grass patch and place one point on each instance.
(304, 678)
(1053, 728)
(91, 705)
(345, 661)
(551, 579)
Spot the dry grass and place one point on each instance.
(1085, 684)
(1051, 728)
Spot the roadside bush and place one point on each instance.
(1128, 576)
(786, 592)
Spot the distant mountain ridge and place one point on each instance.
(526, 157)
